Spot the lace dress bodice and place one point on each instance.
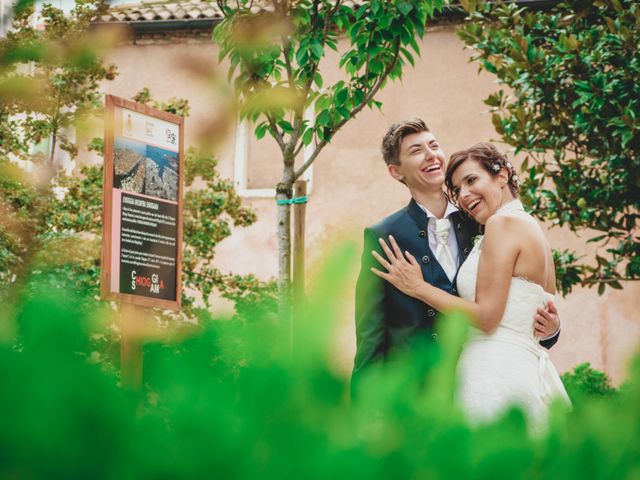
(507, 366)
(524, 298)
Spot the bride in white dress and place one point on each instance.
(506, 277)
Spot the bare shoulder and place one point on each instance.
(517, 231)
(500, 224)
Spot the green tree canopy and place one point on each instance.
(276, 50)
(573, 107)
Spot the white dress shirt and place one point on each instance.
(431, 232)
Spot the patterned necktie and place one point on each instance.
(443, 252)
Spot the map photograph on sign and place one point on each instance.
(145, 169)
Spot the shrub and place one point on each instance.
(231, 399)
(584, 380)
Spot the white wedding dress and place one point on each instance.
(506, 367)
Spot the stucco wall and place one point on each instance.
(352, 188)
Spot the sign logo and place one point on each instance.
(153, 283)
(171, 136)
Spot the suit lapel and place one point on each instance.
(436, 272)
(465, 229)
(419, 216)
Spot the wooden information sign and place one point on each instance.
(142, 208)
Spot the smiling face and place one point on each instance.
(422, 162)
(479, 192)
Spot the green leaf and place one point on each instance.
(408, 56)
(317, 50)
(302, 56)
(21, 6)
(323, 118)
(405, 8)
(488, 66)
(344, 112)
(261, 130)
(307, 138)
(341, 97)
(317, 79)
(285, 126)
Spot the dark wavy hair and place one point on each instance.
(489, 158)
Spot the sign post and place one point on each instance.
(299, 215)
(142, 216)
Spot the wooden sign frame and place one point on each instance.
(108, 253)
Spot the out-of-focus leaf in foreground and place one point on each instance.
(236, 399)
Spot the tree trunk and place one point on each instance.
(54, 140)
(284, 192)
(299, 211)
(284, 243)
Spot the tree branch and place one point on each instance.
(609, 280)
(299, 112)
(298, 149)
(278, 135)
(325, 33)
(354, 112)
(286, 49)
(368, 60)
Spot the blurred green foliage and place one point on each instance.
(177, 106)
(585, 381)
(51, 234)
(51, 222)
(572, 104)
(230, 399)
(49, 76)
(55, 231)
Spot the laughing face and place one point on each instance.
(478, 192)
(422, 162)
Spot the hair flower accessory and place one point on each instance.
(509, 166)
(515, 179)
(496, 167)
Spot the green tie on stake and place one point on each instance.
(292, 201)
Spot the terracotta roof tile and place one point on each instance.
(185, 10)
(158, 11)
(193, 9)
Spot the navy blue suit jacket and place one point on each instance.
(387, 320)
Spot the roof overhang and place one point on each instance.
(196, 15)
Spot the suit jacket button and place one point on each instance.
(466, 250)
(434, 336)
(454, 291)
(422, 234)
(425, 259)
(431, 312)
(458, 226)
